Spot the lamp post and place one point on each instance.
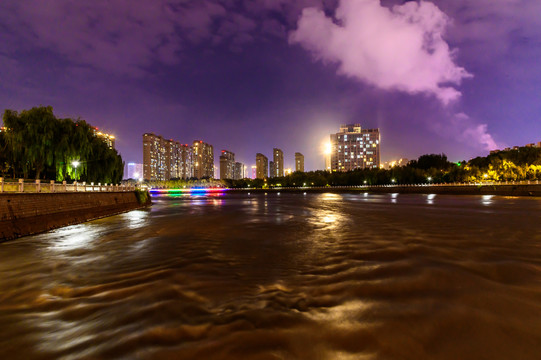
(75, 164)
(429, 179)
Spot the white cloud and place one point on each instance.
(399, 48)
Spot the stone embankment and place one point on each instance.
(30, 213)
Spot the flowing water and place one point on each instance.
(281, 276)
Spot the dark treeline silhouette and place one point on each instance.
(514, 165)
(36, 145)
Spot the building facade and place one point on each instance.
(262, 166)
(186, 162)
(227, 165)
(278, 158)
(165, 159)
(299, 162)
(272, 169)
(154, 163)
(203, 160)
(355, 148)
(240, 169)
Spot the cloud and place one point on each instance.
(399, 48)
(466, 130)
(469, 132)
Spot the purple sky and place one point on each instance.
(458, 76)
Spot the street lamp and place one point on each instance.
(75, 164)
(393, 181)
(429, 179)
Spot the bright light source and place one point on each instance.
(75, 163)
(327, 148)
(485, 176)
(136, 175)
(393, 180)
(429, 178)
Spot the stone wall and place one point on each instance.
(24, 214)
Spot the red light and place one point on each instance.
(201, 141)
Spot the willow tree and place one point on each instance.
(45, 146)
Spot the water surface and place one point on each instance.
(281, 276)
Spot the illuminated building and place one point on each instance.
(272, 169)
(299, 162)
(204, 160)
(154, 163)
(239, 172)
(107, 138)
(278, 158)
(227, 165)
(355, 148)
(393, 163)
(186, 162)
(166, 159)
(254, 172)
(262, 166)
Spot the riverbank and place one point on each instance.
(486, 189)
(24, 214)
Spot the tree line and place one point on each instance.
(34, 144)
(513, 165)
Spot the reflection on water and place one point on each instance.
(289, 276)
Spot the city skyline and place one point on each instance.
(252, 75)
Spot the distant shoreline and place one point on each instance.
(489, 189)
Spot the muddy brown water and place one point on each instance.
(281, 276)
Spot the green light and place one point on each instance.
(458, 163)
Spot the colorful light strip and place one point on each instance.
(187, 191)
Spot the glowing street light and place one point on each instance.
(429, 179)
(393, 181)
(75, 164)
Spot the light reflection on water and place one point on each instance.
(295, 276)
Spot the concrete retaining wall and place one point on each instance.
(25, 214)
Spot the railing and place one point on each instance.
(36, 186)
(479, 183)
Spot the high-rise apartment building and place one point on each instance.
(227, 165)
(165, 159)
(262, 166)
(278, 157)
(186, 162)
(272, 169)
(240, 169)
(203, 160)
(154, 153)
(299, 162)
(355, 148)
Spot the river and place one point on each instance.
(281, 276)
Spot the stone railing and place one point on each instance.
(36, 186)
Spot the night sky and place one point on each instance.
(459, 77)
